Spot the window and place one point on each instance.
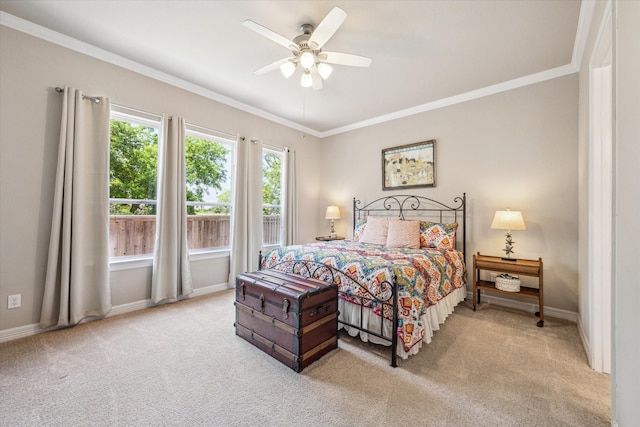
(132, 184)
(209, 169)
(271, 196)
(133, 179)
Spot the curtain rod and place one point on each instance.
(212, 131)
(96, 99)
(194, 127)
(119, 106)
(267, 146)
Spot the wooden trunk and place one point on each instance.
(292, 318)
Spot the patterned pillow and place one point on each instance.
(376, 231)
(403, 234)
(359, 229)
(437, 235)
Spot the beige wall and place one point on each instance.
(29, 115)
(517, 149)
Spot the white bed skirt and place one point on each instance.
(432, 319)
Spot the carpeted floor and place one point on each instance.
(181, 364)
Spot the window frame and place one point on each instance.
(141, 118)
(138, 118)
(219, 137)
(279, 153)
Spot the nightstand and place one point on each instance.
(522, 267)
(329, 238)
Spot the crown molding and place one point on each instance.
(46, 34)
(584, 23)
(457, 99)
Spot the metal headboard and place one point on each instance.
(418, 207)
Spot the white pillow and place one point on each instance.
(375, 231)
(403, 234)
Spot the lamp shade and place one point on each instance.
(306, 80)
(324, 70)
(508, 220)
(332, 212)
(287, 69)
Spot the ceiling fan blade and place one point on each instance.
(273, 66)
(316, 79)
(345, 59)
(271, 35)
(327, 28)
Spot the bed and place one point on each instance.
(384, 276)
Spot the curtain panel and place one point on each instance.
(171, 276)
(77, 278)
(246, 225)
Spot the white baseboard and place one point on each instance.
(585, 341)
(29, 330)
(20, 332)
(210, 289)
(571, 316)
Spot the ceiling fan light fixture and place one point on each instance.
(306, 50)
(287, 69)
(306, 80)
(307, 60)
(324, 70)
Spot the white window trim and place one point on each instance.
(142, 118)
(146, 261)
(276, 152)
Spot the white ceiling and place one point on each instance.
(425, 53)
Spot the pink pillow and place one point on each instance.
(375, 231)
(403, 234)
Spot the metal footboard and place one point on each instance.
(327, 273)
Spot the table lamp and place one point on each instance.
(508, 220)
(332, 213)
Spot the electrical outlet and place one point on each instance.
(14, 301)
(493, 276)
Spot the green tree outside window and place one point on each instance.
(134, 165)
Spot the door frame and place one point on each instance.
(601, 195)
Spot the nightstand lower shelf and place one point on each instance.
(524, 292)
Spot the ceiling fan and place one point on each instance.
(306, 50)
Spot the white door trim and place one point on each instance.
(600, 195)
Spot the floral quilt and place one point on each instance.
(423, 277)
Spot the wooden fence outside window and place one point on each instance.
(135, 234)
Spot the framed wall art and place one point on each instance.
(409, 166)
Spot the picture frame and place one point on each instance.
(409, 166)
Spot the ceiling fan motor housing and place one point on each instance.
(306, 29)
